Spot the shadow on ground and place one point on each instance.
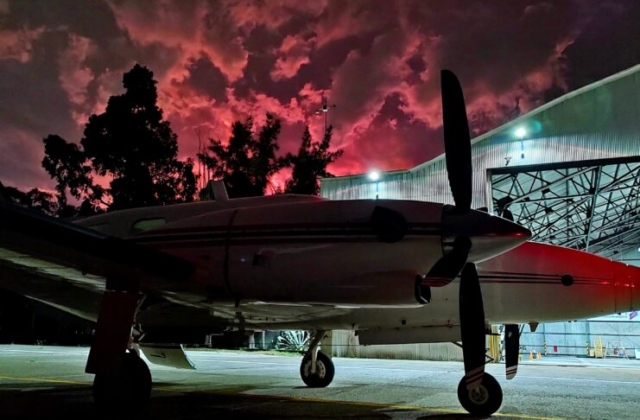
(44, 400)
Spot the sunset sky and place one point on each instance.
(378, 61)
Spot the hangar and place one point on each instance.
(569, 171)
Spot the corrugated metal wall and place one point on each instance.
(345, 344)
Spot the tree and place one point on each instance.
(245, 164)
(311, 163)
(65, 162)
(34, 198)
(129, 143)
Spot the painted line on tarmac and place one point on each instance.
(46, 380)
(58, 353)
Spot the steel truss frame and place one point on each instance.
(589, 205)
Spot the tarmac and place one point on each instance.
(37, 381)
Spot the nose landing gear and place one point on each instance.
(316, 369)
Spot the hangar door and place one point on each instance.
(587, 205)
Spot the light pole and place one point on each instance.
(375, 176)
(325, 110)
(520, 133)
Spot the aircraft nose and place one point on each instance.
(490, 235)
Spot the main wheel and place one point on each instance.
(127, 391)
(482, 401)
(324, 371)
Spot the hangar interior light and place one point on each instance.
(374, 175)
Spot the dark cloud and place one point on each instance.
(206, 78)
(611, 44)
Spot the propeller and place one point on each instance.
(457, 149)
(457, 145)
(457, 140)
(472, 327)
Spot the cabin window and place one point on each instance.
(142, 225)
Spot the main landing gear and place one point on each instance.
(122, 382)
(316, 369)
(125, 391)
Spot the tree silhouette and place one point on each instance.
(311, 163)
(129, 143)
(245, 164)
(34, 198)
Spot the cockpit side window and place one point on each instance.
(146, 224)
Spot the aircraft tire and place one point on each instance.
(483, 401)
(324, 371)
(128, 392)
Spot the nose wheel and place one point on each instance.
(316, 369)
(483, 400)
(323, 374)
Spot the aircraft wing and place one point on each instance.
(34, 242)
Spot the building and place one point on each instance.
(568, 170)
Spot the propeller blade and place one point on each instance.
(472, 326)
(457, 140)
(449, 266)
(512, 349)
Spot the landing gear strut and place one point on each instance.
(316, 369)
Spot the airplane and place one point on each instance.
(393, 270)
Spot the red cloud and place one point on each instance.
(379, 62)
(292, 54)
(191, 28)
